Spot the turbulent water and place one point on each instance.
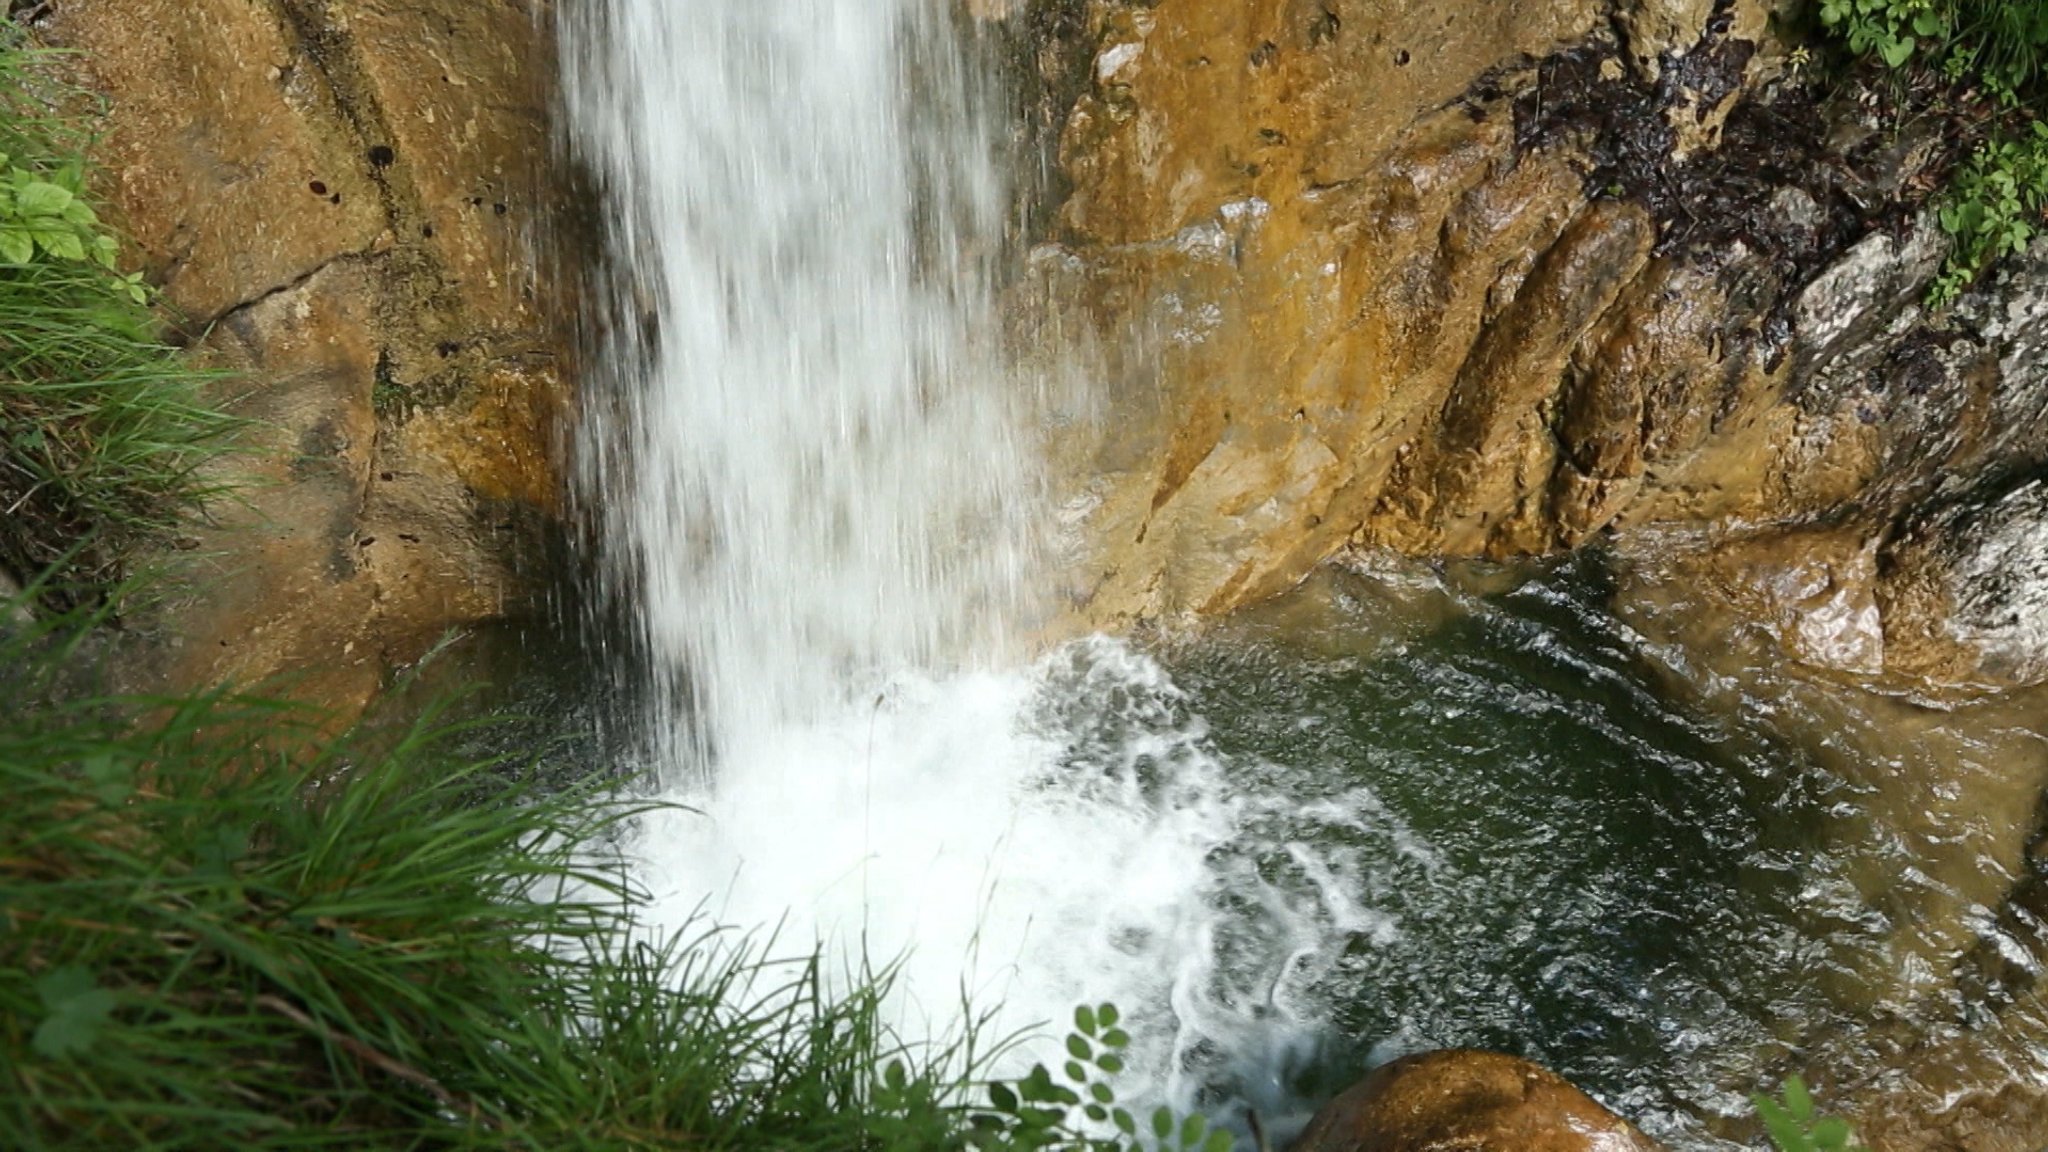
(1400, 812)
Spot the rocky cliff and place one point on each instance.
(341, 199)
(1501, 280)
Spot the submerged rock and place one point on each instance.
(1468, 1101)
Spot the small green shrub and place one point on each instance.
(1993, 207)
(1796, 1126)
(1994, 204)
(1999, 44)
(102, 427)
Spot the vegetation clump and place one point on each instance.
(1989, 59)
(220, 931)
(102, 427)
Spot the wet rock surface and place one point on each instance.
(1969, 589)
(340, 199)
(1384, 275)
(1467, 1101)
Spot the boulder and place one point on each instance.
(1967, 590)
(340, 200)
(1500, 281)
(1467, 1101)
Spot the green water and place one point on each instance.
(1483, 811)
(1530, 810)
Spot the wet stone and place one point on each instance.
(1469, 1101)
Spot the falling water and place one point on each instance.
(809, 473)
(817, 505)
(1487, 818)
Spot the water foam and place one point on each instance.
(816, 494)
(1020, 842)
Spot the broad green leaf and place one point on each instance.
(15, 246)
(75, 1007)
(1162, 1123)
(1116, 1038)
(1831, 1133)
(1002, 1097)
(61, 243)
(1193, 1129)
(1079, 1048)
(42, 198)
(1108, 1013)
(1084, 1019)
(1038, 1086)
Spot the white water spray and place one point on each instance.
(817, 496)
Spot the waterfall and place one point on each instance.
(812, 480)
(806, 458)
(815, 485)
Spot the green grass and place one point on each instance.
(220, 931)
(216, 931)
(1990, 58)
(103, 428)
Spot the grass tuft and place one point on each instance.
(103, 429)
(217, 931)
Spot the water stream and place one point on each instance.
(1406, 808)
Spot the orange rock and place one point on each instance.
(1465, 1101)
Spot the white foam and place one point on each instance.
(1009, 859)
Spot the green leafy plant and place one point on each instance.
(1994, 207)
(41, 215)
(1995, 201)
(1796, 1126)
(1038, 1111)
(104, 430)
(1892, 30)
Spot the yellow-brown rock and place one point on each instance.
(341, 200)
(1467, 1101)
(222, 147)
(1505, 280)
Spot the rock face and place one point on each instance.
(338, 198)
(1504, 280)
(1468, 1102)
(1969, 589)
